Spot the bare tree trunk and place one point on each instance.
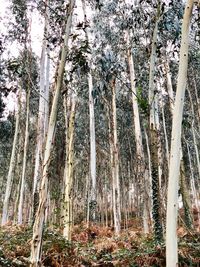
(69, 163)
(46, 94)
(42, 115)
(194, 135)
(22, 189)
(153, 136)
(115, 163)
(12, 164)
(138, 137)
(175, 152)
(39, 219)
(169, 85)
(93, 200)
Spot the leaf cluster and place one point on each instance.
(142, 101)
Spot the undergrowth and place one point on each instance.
(95, 246)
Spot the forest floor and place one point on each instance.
(96, 246)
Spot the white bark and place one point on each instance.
(69, 164)
(160, 156)
(43, 109)
(138, 134)
(39, 220)
(165, 134)
(46, 95)
(92, 139)
(152, 93)
(12, 164)
(175, 152)
(115, 164)
(92, 125)
(169, 85)
(25, 150)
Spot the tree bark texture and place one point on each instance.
(40, 214)
(175, 151)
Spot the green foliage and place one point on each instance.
(5, 130)
(19, 29)
(79, 57)
(142, 101)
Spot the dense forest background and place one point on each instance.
(100, 127)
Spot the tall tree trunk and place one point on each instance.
(115, 162)
(185, 197)
(42, 115)
(138, 136)
(39, 218)
(175, 152)
(93, 201)
(25, 150)
(46, 94)
(12, 163)
(153, 135)
(69, 164)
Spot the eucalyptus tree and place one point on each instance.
(172, 201)
(6, 138)
(192, 125)
(138, 134)
(5, 214)
(69, 110)
(40, 215)
(93, 202)
(20, 31)
(43, 115)
(153, 133)
(110, 36)
(26, 138)
(109, 67)
(114, 154)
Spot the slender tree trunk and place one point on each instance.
(42, 115)
(46, 94)
(169, 85)
(22, 189)
(12, 164)
(165, 134)
(87, 200)
(175, 152)
(69, 163)
(115, 163)
(153, 136)
(138, 136)
(93, 201)
(194, 135)
(185, 197)
(39, 219)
